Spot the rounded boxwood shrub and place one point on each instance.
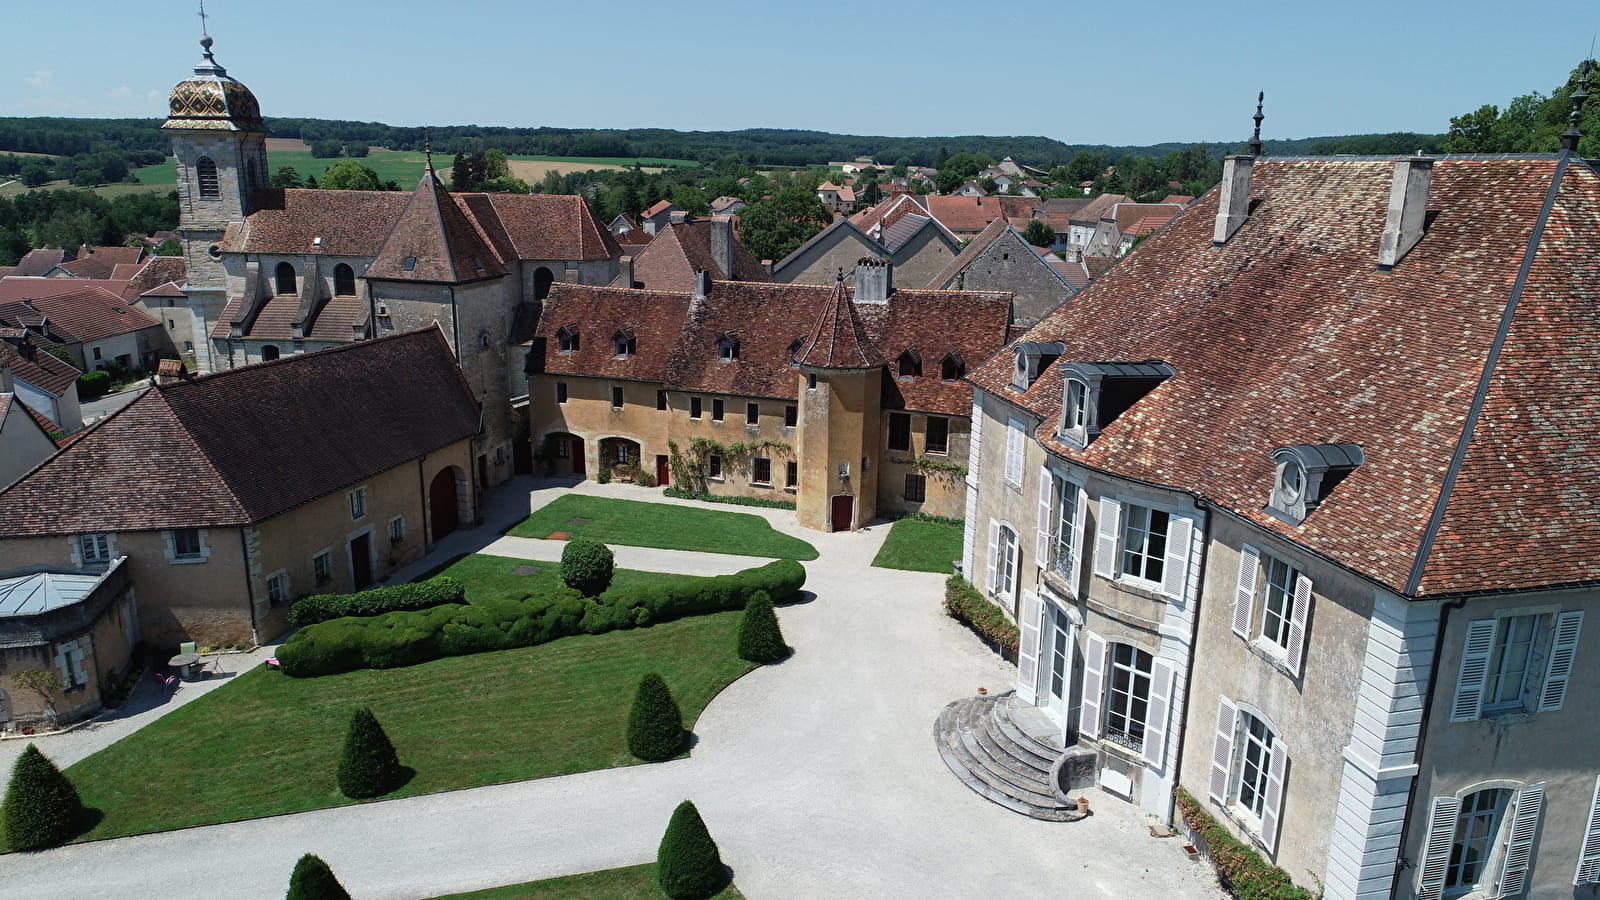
(760, 638)
(313, 880)
(655, 726)
(437, 591)
(369, 766)
(586, 567)
(42, 808)
(688, 866)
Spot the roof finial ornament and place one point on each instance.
(1255, 139)
(840, 276)
(427, 149)
(1580, 93)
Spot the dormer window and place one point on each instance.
(567, 339)
(1304, 476)
(794, 348)
(1032, 358)
(624, 344)
(908, 366)
(727, 349)
(951, 368)
(1094, 394)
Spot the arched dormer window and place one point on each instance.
(344, 281)
(951, 368)
(206, 170)
(624, 343)
(542, 279)
(727, 349)
(269, 353)
(567, 339)
(286, 279)
(908, 366)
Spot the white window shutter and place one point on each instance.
(1075, 561)
(1589, 859)
(1244, 600)
(1563, 648)
(1156, 713)
(1175, 573)
(994, 552)
(1519, 852)
(1041, 541)
(1014, 438)
(1105, 540)
(1436, 850)
(1272, 810)
(1028, 648)
(1094, 667)
(1222, 752)
(1474, 671)
(1297, 624)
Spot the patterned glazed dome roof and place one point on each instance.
(213, 100)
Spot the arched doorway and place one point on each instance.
(445, 499)
(563, 454)
(542, 279)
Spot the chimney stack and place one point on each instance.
(874, 280)
(625, 271)
(1408, 209)
(722, 246)
(1234, 205)
(702, 285)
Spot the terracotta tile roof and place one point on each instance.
(1145, 225)
(1062, 206)
(88, 314)
(42, 370)
(669, 262)
(548, 226)
(113, 256)
(125, 271)
(966, 215)
(244, 445)
(1097, 208)
(1127, 215)
(432, 240)
(660, 207)
(335, 321)
(38, 262)
(20, 287)
(288, 220)
(1180, 199)
(677, 339)
(1073, 273)
(1288, 334)
(170, 289)
(969, 253)
(83, 268)
(837, 339)
(156, 272)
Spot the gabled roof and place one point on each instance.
(12, 406)
(1466, 375)
(38, 262)
(1127, 215)
(968, 215)
(289, 220)
(87, 314)
(980, 245)
(841, 229)
(244, 445)
(549, 226)
(1097, 208)
(660, 207)
(19, 287)
(42, 370)
(432, 240)
(596, 314)
(669, 262)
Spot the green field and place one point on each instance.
(626, 162)
(631, 883)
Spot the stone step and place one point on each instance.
(1029, 790)
(1020, 745)
(1023, 800)
(988, 793)
(984, 748)
(997, 750)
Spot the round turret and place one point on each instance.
(211, 100)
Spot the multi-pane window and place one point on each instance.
(1066, 518)
(1516, 663)
(899, 431)
(397, 530)
(185, 542)
(358, 503)
(716, 409)
(1016, 434)
(1075, 408)
(791, 474)
(1005, 564)
(278, 589)
(1144, 542)
(916, 488)
(1128, 695)
(714, 466)
(616, 398)
(1279, 607)
(561, 392)
(322, 567)
(938, 434)
(96, 547)
(752, 413)
(791, 416)
(1255, 755)
(1510, 662)
(761, 470)
(695, 407)
(1476, 837)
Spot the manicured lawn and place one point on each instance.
(662, 525)
(630, 883)
(269, 744)
(920, 546)
(495, 577)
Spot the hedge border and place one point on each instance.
(1241, 869)
(416, 595)
(986, 619)
(759, 502)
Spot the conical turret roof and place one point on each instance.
(838, 340)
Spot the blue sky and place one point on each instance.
(1108, 73)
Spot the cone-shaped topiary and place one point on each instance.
(313, 880)
(42, 807)
(586, 567)
(760, 639)
(688, 866)
(368, 767)
(655, 726)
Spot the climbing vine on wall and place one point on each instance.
(689, 466)
(936, 467)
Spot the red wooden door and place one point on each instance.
(661, 470)
(843, 509)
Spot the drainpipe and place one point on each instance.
(422, 495)
(1422, 736)
(1188, 676)
(249, 589)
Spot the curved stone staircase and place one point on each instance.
(986, 749)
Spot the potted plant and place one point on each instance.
(1083, 806)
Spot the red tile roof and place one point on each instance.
(1288, 334)
(88, 314)
(158, 271)
(432, 240)
(547, 226)
(38, 367)
(669, 262)
(25, 288)
(247, 444)
(335, 321)
(288, 220)
(837, 339)
(38, 262)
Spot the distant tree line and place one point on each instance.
(108, 166)
(67, 219)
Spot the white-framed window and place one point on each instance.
(1002, 570)
(1480, 841)
(1517, 662)
(1145, 546)
(278, 588)
(1075, 408)
(1588, 871)
(1016, 434)
(1249, 768)
(397, 530)
(1060, 526)
(322, 566)
(624, 344)
(1127, 697)
(1272, 606)
(761, 471)
(95, 547)
(1144, 542)
(358, 504)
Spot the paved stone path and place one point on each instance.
(818, 777)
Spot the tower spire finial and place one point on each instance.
(1580, 93)
(1255, 139)
(427, 149)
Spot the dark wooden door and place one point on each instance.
(361, 561)
(661, 470)
(522, 457)
(442, 502)
(843, 508)
(575, 448)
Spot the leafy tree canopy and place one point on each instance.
(772, 229)
(1531, 123)
(349, 175)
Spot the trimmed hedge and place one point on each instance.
(760, 638)
(688, 865)
(313, 880)
(368, 767)
(587, 566)
(655, 724)
(93, 384)
(406, 638)
(759, 502)
(310, 610)
(964, 604)
(42, 807)
(1244, 873)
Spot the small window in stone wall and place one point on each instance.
(761, 470)
(916, 488)
(938, 435)
(752, 413)
(791, 474)
(791, 416)
(616, 398)
(716, 410)
(344, 280)
(713, 466)
(206, 171)
(322, 567)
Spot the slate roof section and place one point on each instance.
(87, 314)
(676, 338)
(433, 241)
(1288, 334)
(244, 445)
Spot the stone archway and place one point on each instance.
(620, 456)
(563, 454)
